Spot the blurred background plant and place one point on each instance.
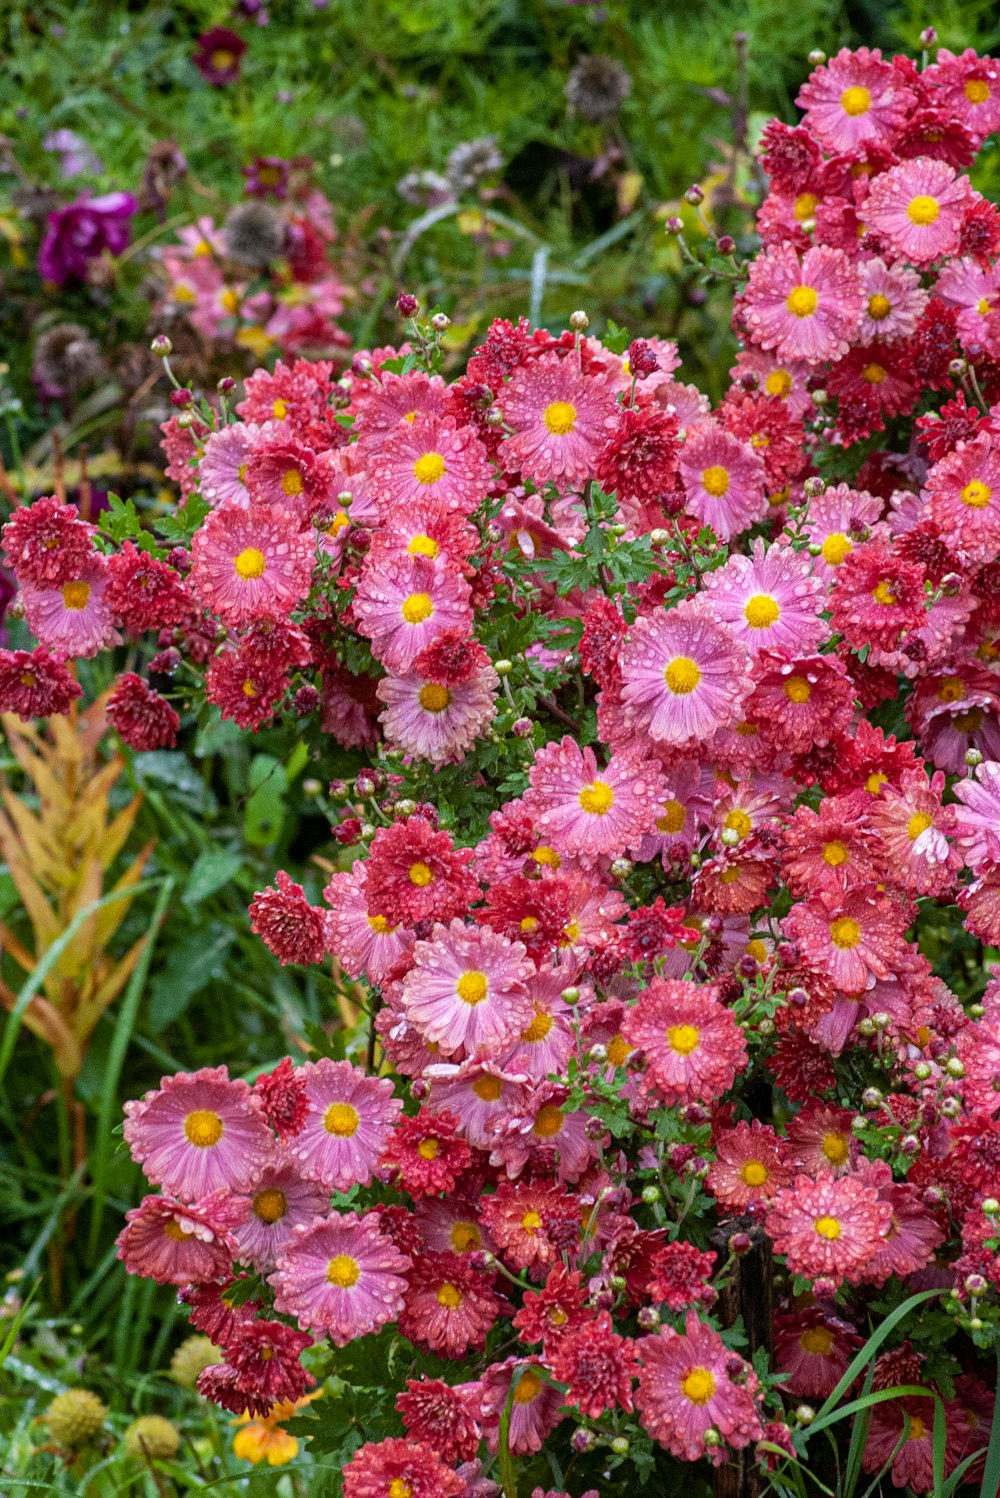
(259, 184)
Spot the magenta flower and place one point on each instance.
(81, 232)
(560, 419)
(437, 721)
(771, 600)
(430, 458)
(349, 1119)
(919, 207)
(218, 55)
(466, 990)
(808, 309)
(724, 481)
(589, 812)
(198, 1132)
(177, 1244)
(281, 1199)
(683, 674)
(251, 564)
(854, 100)
(688, 1387)
(831, 1227)
(73, 620)
(341, 1278)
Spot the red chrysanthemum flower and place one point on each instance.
(140, 716)
(47, 544)
(245, 691)
(427, 1153)
(287, 924)
(534, 911)
(144, 593)
(519, 1215)
(282, 1095)
(548, 1314)
(35, 684)
(505, 348)
(452, 660)
(680, 1275)
(438, 1414)
(651, 930)
(790, 156)
(639, 459)
(415, 873)
(933, 346)
(215, 1310)
(399, 1469)
(263, 1367)
(603, 632)
(692, 1044)
(979, 236)
(773, 431)
(449, 1306)
(876, 596)
(598, 1366)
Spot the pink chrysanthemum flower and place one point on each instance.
(978, 817)
(785, 380)
(73, 619)
(477, 1093)
(399, 1469)
(683, 674)
(281, 1199)
(560, 418)
(975, 291)
(197, 1132)
(415, 873)
(466, 991)
(341, 1278)
(222, 471)
(724, 481)
(914, 828)
(689, 1386)
(520, 1215)
(544, 1130)
(918, 207)
(853, 100)
(534, 1409)
(968, 88)
(451, 1226)
(901, 1437)
(894, 301)
(829, 850)
(284, 472)
(693, 1046)
(404, 603)
(854, 939)
(770, 600)
(175, 1243)
(422, 528)
(251, 564)
(814, 1349)
(450, 1305)
(808, 309)
(589, 812)
(434, 459)
(829, 1227)
(363, 942)
(436, 721)
(963, 497)
(386, 402)
(348, 1120)
(830, 519)
(544, 1047)
(913, 1235)
(749, 1166)
(597, 1366)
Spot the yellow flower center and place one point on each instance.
(977, 90)
(417, 608)
(682, 1038)
(465, 1237)
(433, 697)
(835, 854)
(879, 307)
(279, 410)
(845, 933)
(449, 1296)
(400, 1488)
(873, 374)
(802, 301)
(342, 1120)
(682, 675)
(805, 206)
(779, 382)
(420, 874)
(173, 1230)
(755, 1173)
(250, 563)
(619, 1050)
(797, 689)
(548, 1122)
(698, 1385)
(817, 1340)
(918, 823)
(531, 1222)
(970, 721)
(737, 821)
(291, 482)
(249, 690)
(597, 798)
(715, 480)
(487, 1088)
(380, 925)
(828, 1227)
(977, 495)
(76, 596)
(230, 300)
(203, 1128)
(761, 611)
(423, 546)
(560, 418)
(270, 1205)
(923, 210)
(836, 1148)
(835, 548)
(528, 1387)
(539, 1027)
(875, 782)
(343, 1271)
(673, 819)
(855, 101)
(428, 1149)
(757, 949)
(471, 988)
(885, 594)
(547, 856)
(428, 468)
(983, 306)
(528, 924)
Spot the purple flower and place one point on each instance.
(77, 158)
(218, 56)
(81, 231)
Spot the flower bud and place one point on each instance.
(976, 1011)
(570, 995)
(185, 421)
(921, 1071)
(951, 1107)
(957, 368)
(767, 1027)
(973, 758)
(312, 787)
(798, 998)
(226, 386)
(748, 967)
(819, 397)
(725, 244)
(740, 1243)
(954, 1067)
(440, 321)
(805, 1414)
(659, 537)
(620, 1446)
(788, 954)
(621, 868)
(365, 784)
(729, 837)
(405, 808)
(816, 58)
(928, 36)
(182, 398)
(909, 1145)
(419, 1089)
(648, 1318)
(975, 1284)
(583, 1440)
(407, 305)
(617, 1282)
(579, 321)
(362, 367)
(674, 225)
(881, 1020)
(694, 195)
(651, 1195)
(598, 1053)
(503, 667)
(618, 529)
(824, 1288)
(494, 418)
(813, 487)
(871, 1098)
(991, 1206)
(522, 728)
(866, 1027)
(975, 1323)
(161, 346)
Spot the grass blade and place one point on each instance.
(991, 1475)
